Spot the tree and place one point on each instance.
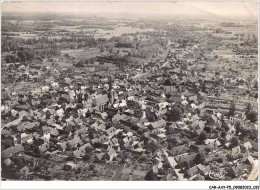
(22, 56)
(29, 54)
(166, 165)
(220, 160)
(18, 175)
(224, 134)
(150, 176)
(202, 136)
(232, 109)
(127, 154)
(80, 63)
(18, 161)
(17, 59)
(248, 109)
(207, 129)
(200, 158)
(174, 114)
(173, 141)
(102, 49)
(215, 169)
(151, 116)
(88, 149)
(234, 142)
(144, 158)
(7, 143)
(186, 165)
(252, 116)
(8, 59)
(136, 107)
(36, 150)
(168, 82)
(199, 178)
(87, 157)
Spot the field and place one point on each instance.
(23, 35)
(102, 33)
(81, 53)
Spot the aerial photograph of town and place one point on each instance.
(129, 91)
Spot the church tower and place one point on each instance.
(111, 92)
(110, 84)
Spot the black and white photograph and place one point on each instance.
(129, 91)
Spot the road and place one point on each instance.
(254, 172)
(164, 64)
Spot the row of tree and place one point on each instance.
(85, 62)
(29, 55)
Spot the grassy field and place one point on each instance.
(23, 35)
(81, 53)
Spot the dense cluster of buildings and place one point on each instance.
(171, 118)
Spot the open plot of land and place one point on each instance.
(82, 53)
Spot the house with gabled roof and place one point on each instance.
(101, 101)
(194, 118)
(192, 171)
(253, 143)
(185, 158)
(161, 112)
(179, 149)
(103, 139)
(138, 151)
(111, 131)
(74, 142)
(118, 117)
(46, 129)
(26, 138)
(172, 161)
(6, 132)
(44, 147)
(60, 112)
(250, 160)
(70, 166)
(62, 146)
(54, 132)
(212, 119)
(98, 127)
(204, 170)
(236, 150)
(22, 127)
(193, 98)
(102, 115)
(25, 170)
(78, 121)
(158, 124)
(213, 142)
(248, 145)
(81, 131)
(237, 171)
(94, 141)
(12, 151)
(80, 151)
(13, 123)
(101, 127)
(7, 162)
(112, 153)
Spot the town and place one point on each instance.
(121, 99)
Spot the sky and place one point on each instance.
(223, 9)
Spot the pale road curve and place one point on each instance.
(254, 172)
